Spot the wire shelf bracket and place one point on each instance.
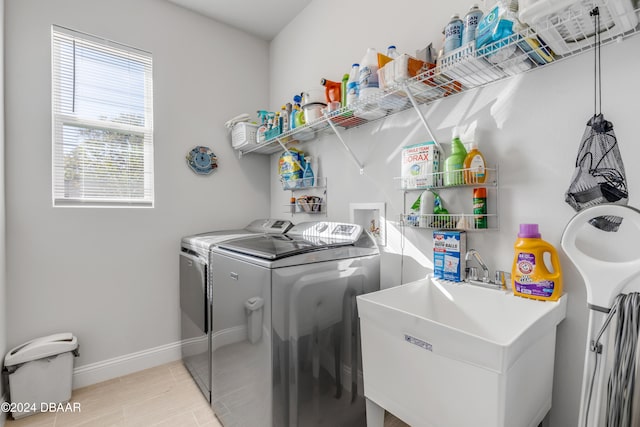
(346, 147)
(416, 107)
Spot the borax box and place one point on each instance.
(449, 250)
(420, 164)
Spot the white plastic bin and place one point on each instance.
(40, 372)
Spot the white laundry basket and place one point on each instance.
(40, 373)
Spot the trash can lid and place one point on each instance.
(40, 348)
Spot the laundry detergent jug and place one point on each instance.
(530, 275)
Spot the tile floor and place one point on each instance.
(161, 396)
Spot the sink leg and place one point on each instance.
(375, 414)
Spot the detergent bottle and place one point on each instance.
(454, 164)
(368, 76)
(353, 87)
(530, 275)
(392, 52)
(332, 90)
(474, 166)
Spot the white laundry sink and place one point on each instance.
(452, 354)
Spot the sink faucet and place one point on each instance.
(472, 253)
(472, 272)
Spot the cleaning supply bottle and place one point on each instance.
(426, 208)
(474, 166)
(307, 175)
(352, 85)
(453, 165)
(298, 116)
(297, 99)
(530, 275)
(479, 207)
(264, 117)
(441, 218)
(471, 21)
(285, 115)
(331, 90)
(453, 34)
(343, 90)
(368, 76)
(392, 52)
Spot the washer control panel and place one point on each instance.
(270, 225)
(327, 230)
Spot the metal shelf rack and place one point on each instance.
(457, 220)
(466, 68)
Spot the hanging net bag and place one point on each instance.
(599, 174)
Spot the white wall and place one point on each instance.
(530, 125)
(110, 276)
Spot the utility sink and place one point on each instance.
(438, 353)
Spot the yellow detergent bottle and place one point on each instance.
(530, 277)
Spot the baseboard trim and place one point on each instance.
(123, 365)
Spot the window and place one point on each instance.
(102, 105)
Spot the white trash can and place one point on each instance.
(40, 373)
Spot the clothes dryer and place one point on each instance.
(195, 295)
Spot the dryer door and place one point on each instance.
(195, 307)
(193, 290)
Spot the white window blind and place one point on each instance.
(102, 104)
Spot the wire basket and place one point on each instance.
(468, 67)
(243, 134)
(566, 26)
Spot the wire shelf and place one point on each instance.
(302, 184)
(547, 40)
(459, 178)
(456, 221)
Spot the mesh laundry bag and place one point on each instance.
(599, 175)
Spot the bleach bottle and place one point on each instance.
(530, 276)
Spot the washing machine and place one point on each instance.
(195, 294)
(286, 338)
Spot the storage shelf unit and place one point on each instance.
(305, 203)
(469, 175)
(455, 220)
(569, 30)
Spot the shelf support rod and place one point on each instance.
(346, 147)
(420, 115)
(284, 147)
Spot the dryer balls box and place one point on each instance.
(420, 165)
(449, 250)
